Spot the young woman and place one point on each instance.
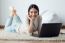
(33, 22)
(34, 19)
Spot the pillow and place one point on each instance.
(50, 17)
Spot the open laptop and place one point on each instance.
(49, 30)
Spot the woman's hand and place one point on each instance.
(31, 18)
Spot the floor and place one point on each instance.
(32, 41)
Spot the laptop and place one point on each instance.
(49, 30)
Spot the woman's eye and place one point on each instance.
(35, 11)
(31, 12)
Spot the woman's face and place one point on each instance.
(33, 12)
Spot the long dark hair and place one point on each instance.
(33, 6)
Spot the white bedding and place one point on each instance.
(16, 36)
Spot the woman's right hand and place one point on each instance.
(31, 18)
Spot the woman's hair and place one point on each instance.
(33, 6)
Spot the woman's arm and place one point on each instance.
(39, 22)
(31, 27)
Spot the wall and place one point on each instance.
(57, 6)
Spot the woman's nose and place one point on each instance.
(33, 14)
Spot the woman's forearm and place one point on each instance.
(31, 27)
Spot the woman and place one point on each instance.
(12, 22)
(34, 18)
(33, 22)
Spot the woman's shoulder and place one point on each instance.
(39, 17)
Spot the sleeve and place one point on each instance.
(9, 21)
(39, 22)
